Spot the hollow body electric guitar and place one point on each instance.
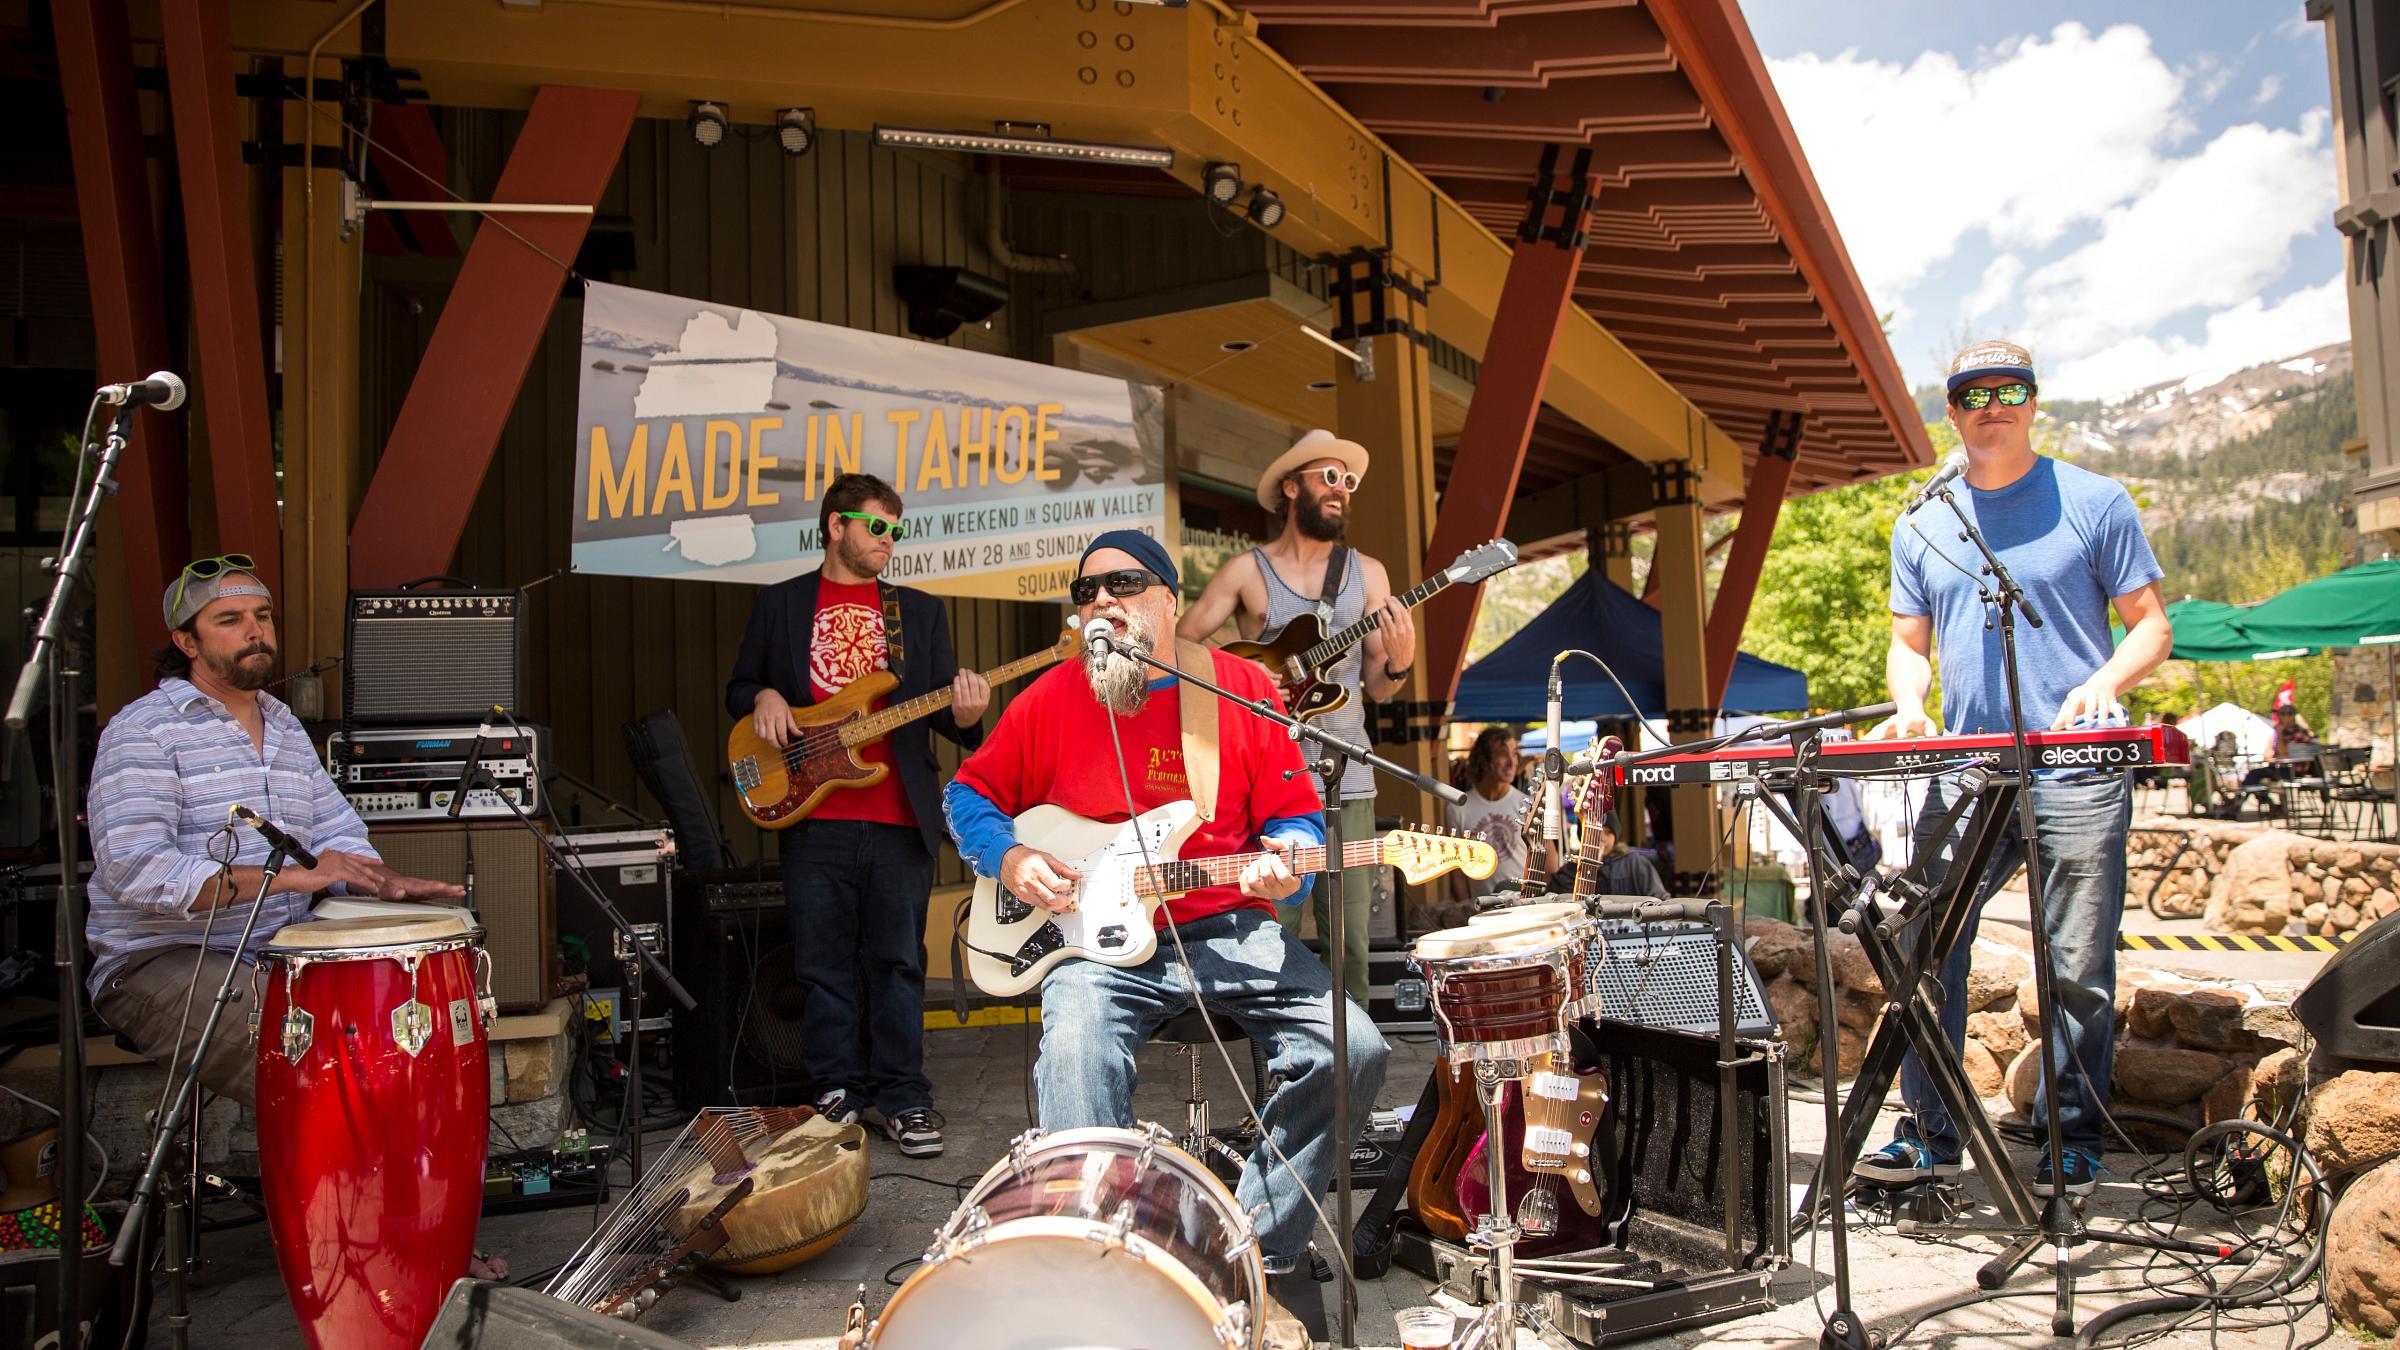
(1300, 655)
(779, 786)
(1130, 868)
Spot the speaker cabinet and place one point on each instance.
(512, 894)
(741, 1045)
(2352, 1006)
(483, 1316)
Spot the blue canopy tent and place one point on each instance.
(1512, 683)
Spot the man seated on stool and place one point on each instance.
(1052, 745)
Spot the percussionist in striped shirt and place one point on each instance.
(171, 764)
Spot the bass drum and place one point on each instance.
(1088, 1237)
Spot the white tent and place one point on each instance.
(2253, 733)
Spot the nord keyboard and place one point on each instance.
(2102, 748)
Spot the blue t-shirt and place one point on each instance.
(2071, 538)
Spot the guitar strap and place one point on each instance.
(1336, 563)
(896, 652)
(1199, 715)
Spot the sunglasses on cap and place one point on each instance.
(877, 525)
(211, 567)
(1334, 475)
(1124, 583)
(1981, 396)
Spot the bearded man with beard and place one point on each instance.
(858, 871)
(171, 764)
(1053, 745)
(1308, 487)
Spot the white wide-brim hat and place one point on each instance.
(1316, 445)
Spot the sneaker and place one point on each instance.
(838, 1106)
(1903, 1162)
(2082, 1169)
(918, 1132)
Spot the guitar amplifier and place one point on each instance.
(512, 896)
(432, 657)
(741, 1045)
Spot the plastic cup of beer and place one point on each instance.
(1425, 1328)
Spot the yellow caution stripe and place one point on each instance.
(2224, 942)
(998, 1015)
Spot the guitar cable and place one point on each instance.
(1266, 1137)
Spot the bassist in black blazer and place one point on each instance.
(857, 872)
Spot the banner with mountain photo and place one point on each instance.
(707, 434)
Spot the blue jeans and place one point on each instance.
(2081, 822)
(856, 893)
(1095, 1016)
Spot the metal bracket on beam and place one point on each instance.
(1690, 719)
(1781, 439)
(1672, 483)
(1366, 275)
(1546, 195)
(1611, 539)
(1405, 721)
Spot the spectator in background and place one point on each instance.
(1494, 812)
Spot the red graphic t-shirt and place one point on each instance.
(846, 642)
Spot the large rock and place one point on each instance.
(1982, 1070)
(2254, 892)
(1851, 968)
(1795, 1007)
(2152, 1014)
(2226, 1098)
(1783, 950)
(1993, 973)
(1852, 1048)
(2354, 1117)
(2001, 1033)
(1858, 1010)
(2362, 1255)
(2271, 1024)
(2167, 1077)
(2024, 1076)
(2210, 1019)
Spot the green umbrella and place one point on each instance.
(2355, 607)
(2206, 630)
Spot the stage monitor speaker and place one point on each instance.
(512, 895)
(2352, 1007)
(741, 1045)
(482, 1316)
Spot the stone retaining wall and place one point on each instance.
(2250, 877)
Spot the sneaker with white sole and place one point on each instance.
(2082, 1170)
(918, 1131)
(1904, 1162)
(838, 1106)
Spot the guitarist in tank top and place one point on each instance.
(1306, 569)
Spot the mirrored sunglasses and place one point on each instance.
(1124, 583)
(1980, 397)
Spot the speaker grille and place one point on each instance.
(1666, 976)
(432, 657)
(512, 894)
(741, 1046)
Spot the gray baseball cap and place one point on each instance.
(188, 594)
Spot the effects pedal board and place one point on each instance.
(410, 773)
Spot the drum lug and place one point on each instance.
(1119, 1230)
(299, 1032)
(412, 1027)
(965, 1232)
(1233, 1329)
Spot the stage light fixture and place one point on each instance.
(707, 125)
(1024, 147)
(796, 131)
(1266, 209)
(1222, 183)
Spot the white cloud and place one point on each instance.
(1914, 157)
(2215, 229)
(1999, 284)
(2244, 334)
(2268, 88)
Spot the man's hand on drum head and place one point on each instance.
(366, 877)
(1269, 875)
(1038, 878)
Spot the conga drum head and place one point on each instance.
(1554, 912)
(317, 937)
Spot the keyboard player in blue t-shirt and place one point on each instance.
(2075, 544)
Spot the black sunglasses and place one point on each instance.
(1980, 397)
(1123, 583)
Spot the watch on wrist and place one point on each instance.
(1400, 674)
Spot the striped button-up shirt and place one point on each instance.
(171, 764)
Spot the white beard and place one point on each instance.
(1118, 681)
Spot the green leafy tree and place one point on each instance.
(1823, 598)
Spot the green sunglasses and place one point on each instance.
(211, 567)
(1980, 397)
(877, 525)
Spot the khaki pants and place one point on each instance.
(145, 1002)
(1358, 903)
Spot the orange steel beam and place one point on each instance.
(228, 349)
(1770, 474)
(449, 426)
(120, 252)
(1533, 303)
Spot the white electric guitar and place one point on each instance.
(1012, 943)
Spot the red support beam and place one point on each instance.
(1508, 399)
(120, 259)
(227, 346)
(1770, 474)
(413, 165)
(450, 424)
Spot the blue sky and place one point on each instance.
(2139, 190)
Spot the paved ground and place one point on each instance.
(979, 1074)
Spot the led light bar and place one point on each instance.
(1025, 147)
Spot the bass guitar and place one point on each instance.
(780, 785)
(1300, 654)
(1132, 867)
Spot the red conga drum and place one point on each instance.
(374, 1102)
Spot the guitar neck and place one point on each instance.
(875, 726)
(1331, 649)
(1190, 874)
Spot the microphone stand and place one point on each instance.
(628, 941)
(1338, 754)
(52, 663)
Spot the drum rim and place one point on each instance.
(1035, 1143)
(1140, 1248)
(1560, 952)
(473, 937)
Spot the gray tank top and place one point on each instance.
(1350, 720)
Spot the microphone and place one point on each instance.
(1553, 767)
(1952, 466)
(275, 835)
(1095, 636)
(466, 776)
(163, 390)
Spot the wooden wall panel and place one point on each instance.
(816, 238)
